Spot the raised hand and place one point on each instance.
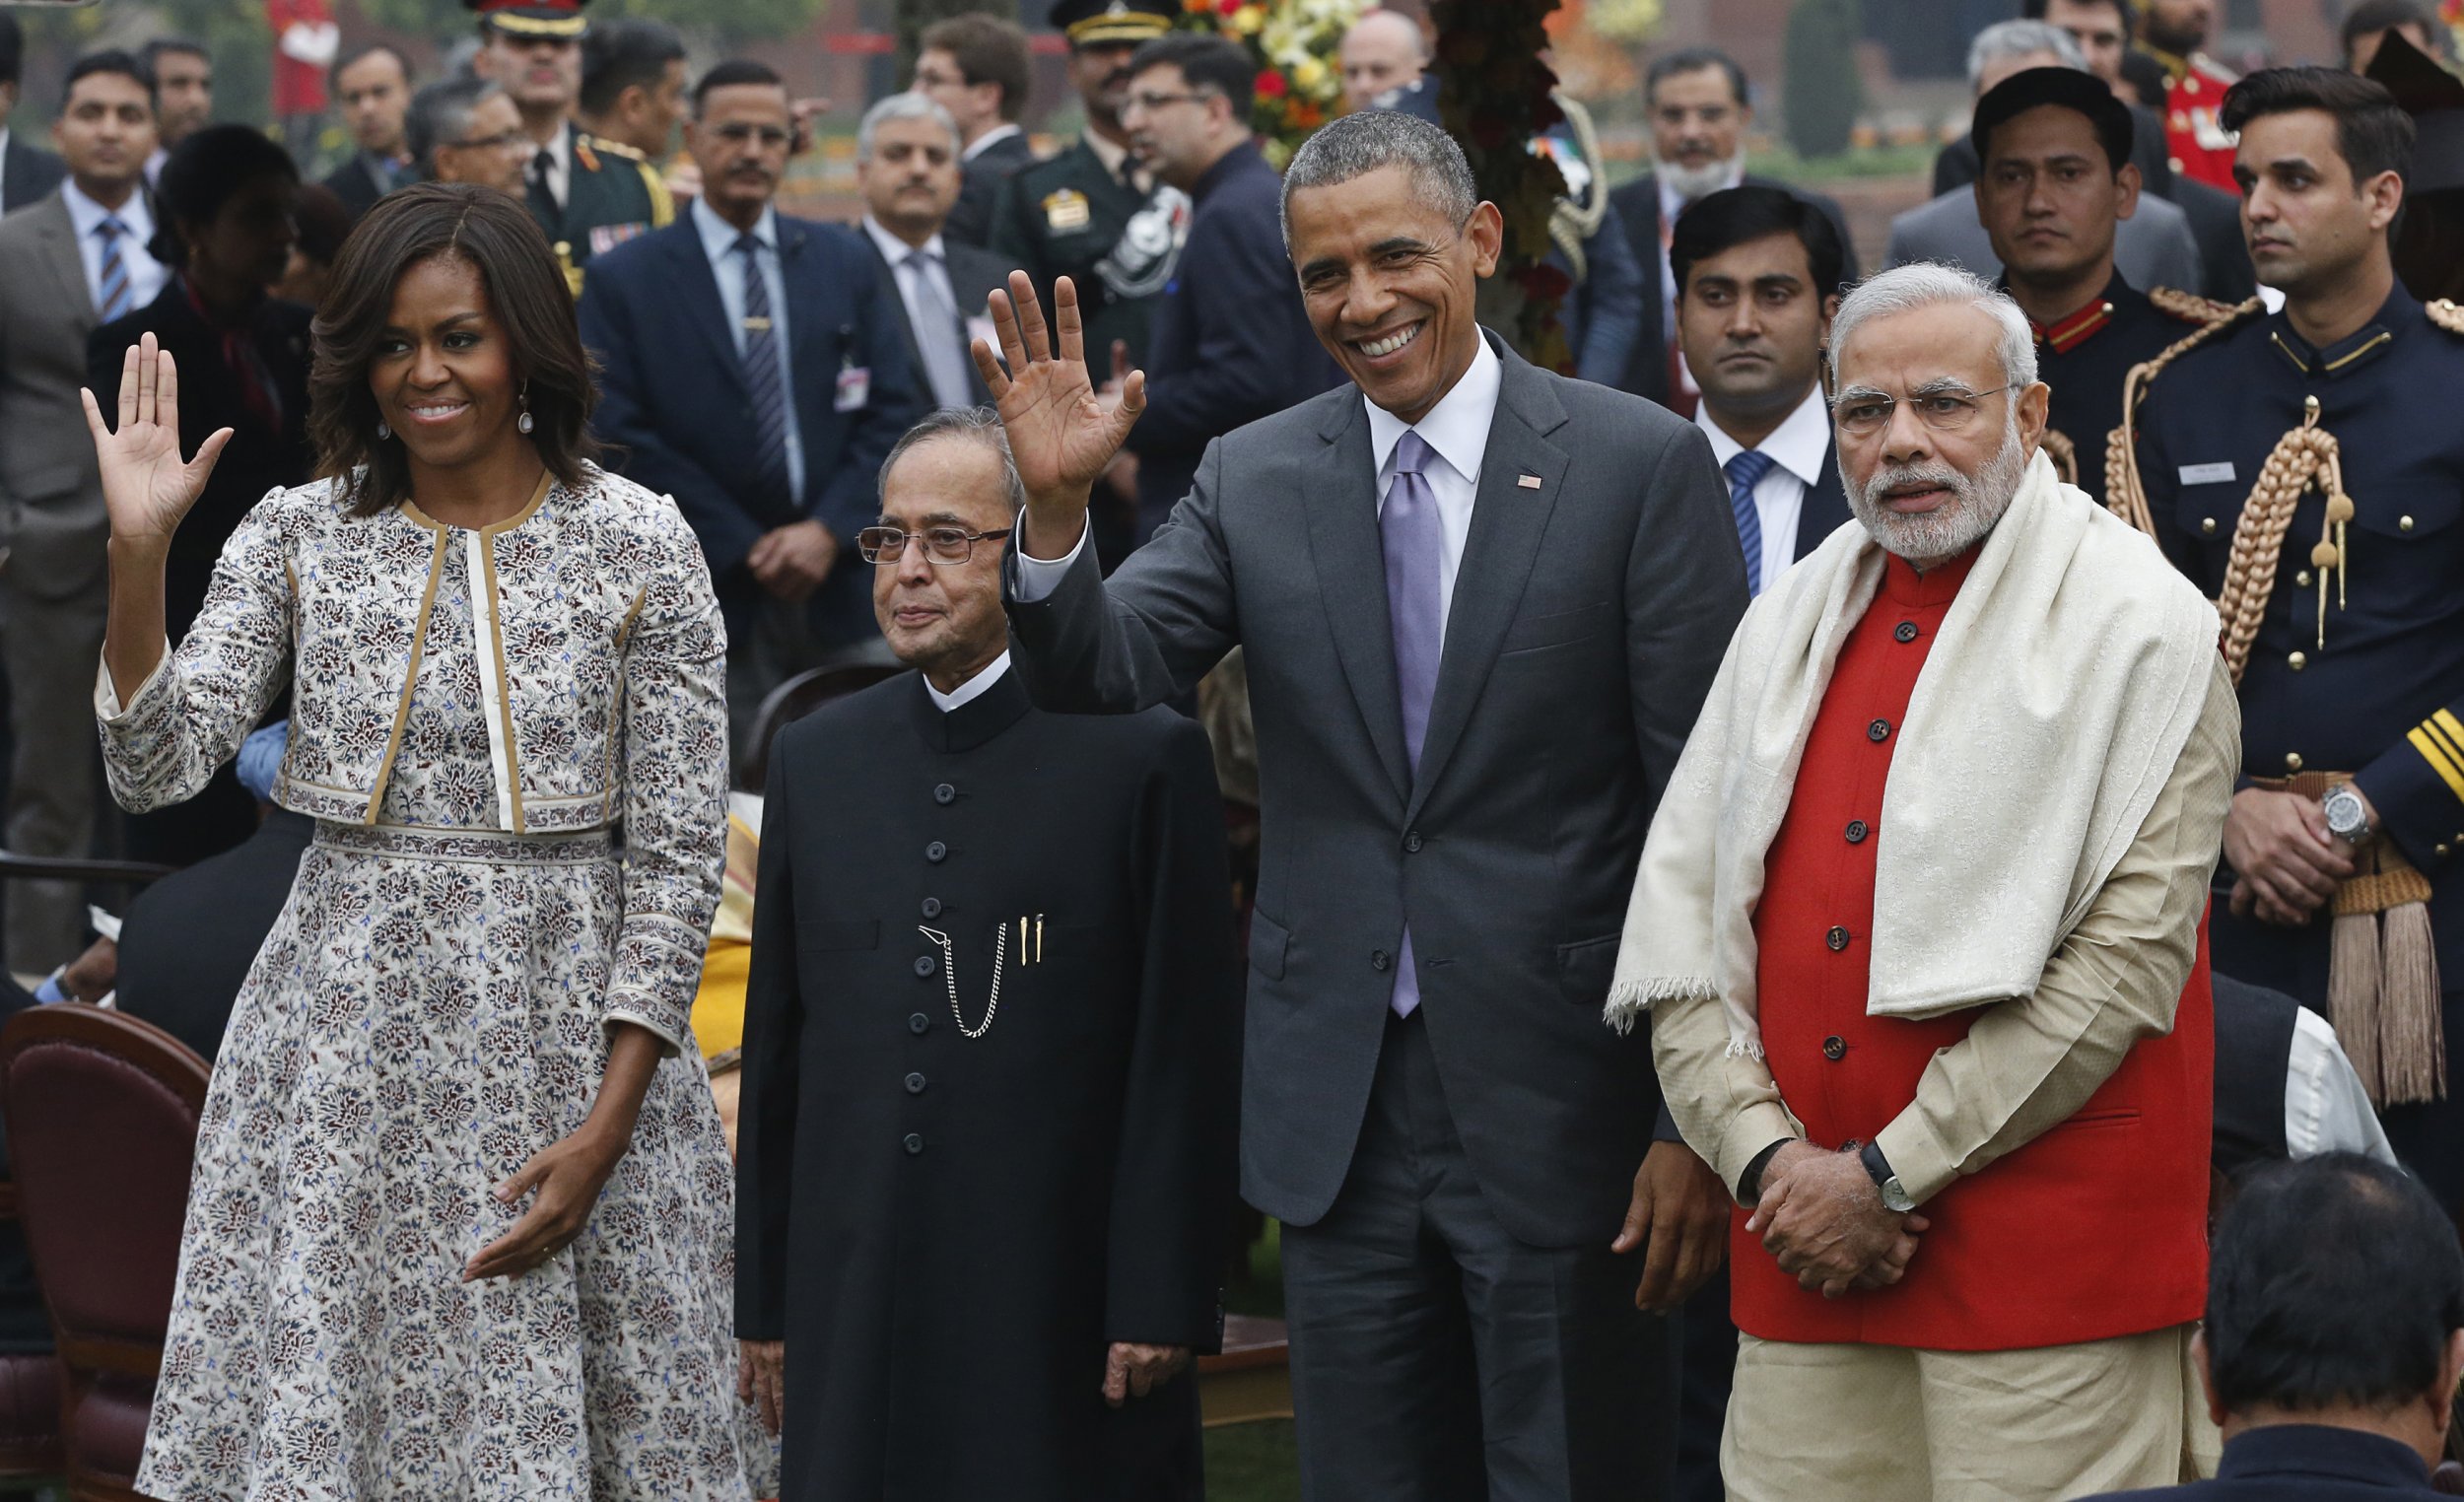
(146, 487)
(1060, 432)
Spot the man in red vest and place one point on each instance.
(1919, 924)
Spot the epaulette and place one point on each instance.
(2446, 314)
(2189, 308)
(583, 154)
(617, 148)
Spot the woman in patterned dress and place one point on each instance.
(459, 1223)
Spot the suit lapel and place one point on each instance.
(1351, 579)
(1508, 520)
(905, 317)
(697, 289)
(59, 247)
(1825, 505)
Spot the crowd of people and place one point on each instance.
(776, 822)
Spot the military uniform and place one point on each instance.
(2086, 357)
(2366, 675)
(1072, 216)
(612, 194)
(2195, 137)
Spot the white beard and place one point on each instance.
(1693, 182)
(1951, 528)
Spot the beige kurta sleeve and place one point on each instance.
(2028, 1062)
(1728, 1108)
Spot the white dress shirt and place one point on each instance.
(980, 144)
(719, 242)
(560, 149)
(1798, 448)
(972, 688)
(1455, 430)
(146, 275)
(924, 314)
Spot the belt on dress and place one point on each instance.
(2382, 965)
(484, 847)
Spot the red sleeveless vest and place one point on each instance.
(2095, 1229)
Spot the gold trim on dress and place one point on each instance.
(410, 677)
(510, 770)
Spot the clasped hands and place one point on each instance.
(2286, 866)
(1822, 1218)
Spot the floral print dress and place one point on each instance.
(473, 712)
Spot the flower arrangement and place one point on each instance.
(1495, 94)
(1299, 86)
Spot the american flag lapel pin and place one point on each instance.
(1529, 482)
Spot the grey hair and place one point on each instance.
(1359, 144)
(2020, 39)
(1927, 283)
(439, 115)
(974, 425)
(910, 106)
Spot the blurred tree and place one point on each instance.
(1823, 91)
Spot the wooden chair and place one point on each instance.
(1252, 1379)
(102, 1112)
(844, 672)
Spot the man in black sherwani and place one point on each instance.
(991, 1054)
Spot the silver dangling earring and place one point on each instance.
(524, 424)
(382, 432)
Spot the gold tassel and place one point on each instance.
(2413, 1047)
(2353, 996)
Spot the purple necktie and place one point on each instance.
(1414, 538)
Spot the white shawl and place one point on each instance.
(2051, 710)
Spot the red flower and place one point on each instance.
(1270, 83)
(1542, 280)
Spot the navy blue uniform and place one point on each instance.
(2086, 357)
(1231, 342)
(2302, 1463)
(2383, 698)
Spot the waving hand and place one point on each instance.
(1060, 432)
(145, 487)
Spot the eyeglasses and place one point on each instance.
(1862, 414)
(943, 544)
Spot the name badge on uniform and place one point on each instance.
(1065, 210)
(2207, 474)
(855, 386)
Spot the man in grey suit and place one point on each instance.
(26, 170)
(2153, 248)
(69, 262)
(1481, 606)
(907, 168)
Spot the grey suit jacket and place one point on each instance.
(974, 273)
(2153, 247)
(26, 174)
(52, 515)
(1591, 612)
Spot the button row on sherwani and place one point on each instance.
(913, 1143)
(1837, 940)
(1904, 632)
(933, 906)
(914, 1084)
(1834, 1048)
(944, 794)
(1858, 829)
(919, 1024)
(936, 851)
(1878, 731)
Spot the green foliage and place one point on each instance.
(1822, 89)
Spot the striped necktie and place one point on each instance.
(763, 377)
(117, 298)
(1744, 470)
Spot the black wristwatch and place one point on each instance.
(1878, 1168)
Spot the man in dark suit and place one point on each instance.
(907, 168)
(752, 367)
(1699, 112)
(1230, 343)
(974, 66)
(1458, 778)
(2333, 1340)
(1752, 316)
(373, 86)
(26, 170)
